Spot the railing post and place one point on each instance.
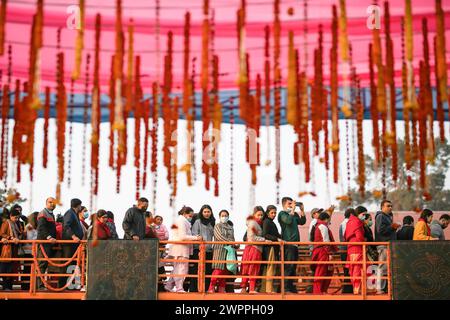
(33, 270)
(364, 274)
(282, 269)
(201, 268)
(388, 273)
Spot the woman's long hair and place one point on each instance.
(269, 208)
(202, 218)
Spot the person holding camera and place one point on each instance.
(289, 221)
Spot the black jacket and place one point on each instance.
(134, 223)
(46, 226)
(72, 225)
(405, 233)
(270, 230)
(383, 229)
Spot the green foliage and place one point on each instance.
(398, 192)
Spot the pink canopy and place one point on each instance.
(259, 14)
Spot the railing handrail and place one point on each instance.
(302, 243)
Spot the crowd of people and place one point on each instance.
(262, 234)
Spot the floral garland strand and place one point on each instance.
(359, 123)
(406, 111)
(191, 125)
(373, 108)
(428, 98)
(439, 106)
(46, 124)
(154, 135)
(85, 120)
(79, 41)
(129, 83)
(112, 97)
(204, 87)
(146, 118)
(291, 112)
(441, 64)
(137, 124)
(422, 111)
(4, 113)
(71, 107)
(391, 110)
(35, 60)
(174, 153)
(334, 95)
(231, 115)
(217, 121)
(18, 115)
(61, 118)
(344, 52)
(167, 107)
(3, 9)
(277, 93)
(267, 90)
(96, 111)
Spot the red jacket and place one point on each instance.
(320, 233)
(103, 232)
(354, 232)
(59, 230)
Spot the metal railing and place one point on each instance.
(304, 261)
(55, 266)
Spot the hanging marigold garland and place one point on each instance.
(317, 94)
(406, 111)
(167, 108)
(85, 120)
(18, 115)
(137, 124)
(441, 64)
(130, 67)
(112, 94)
(428, 98)
(3, 9)
(439, 105)
(46, 124)
(267, 90)
(174, 152)
(344, 47)
(391, 110)
(79, 41)
(359, 123)
(70, 119)
(154, 135)
(277, 93)
(217, 121)
(231, 115)
(334, 95)
(119, 121)
(146, 118)
(204, 85)
(61, 118)
(96, 111)
(422, 110)
(4, 113)
(291, 110)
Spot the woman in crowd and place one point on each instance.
(83, 215)
(204, 227)
(160, 229)
(223, 231)
(181, 232)
(422, 229)
(252, 252)
(10, 234)
(149, 231)
(322, 252)
(29, 234)
(270, 253)
(354, 232)
(111, 225)
(372, 253)
(103, 232)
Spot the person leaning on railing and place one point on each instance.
(46, 230)
(204, 227)
(223, 232)
(347, 287)
(322, 252)
(422, 229)
(270, 253)
(29, 234)
(354, 232)
(10, 234)
(181, 232)
(385, 230)
(289, 221)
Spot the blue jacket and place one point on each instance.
(72, 225)
(383, 229)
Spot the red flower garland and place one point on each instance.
(96, 111)
(46, 124)
(334, 95)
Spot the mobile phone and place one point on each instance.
(299, 204)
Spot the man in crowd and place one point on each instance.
(46, 230)
(72, 230)
(437, 227)
(289, 221)
(134, 221)
(385, 230)
(406, 231)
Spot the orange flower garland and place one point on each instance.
(96, 111)
(79, 42)
(334, 95)
(2, 26)
(439, 107)
(4, 113)
(85, 120)
(277, 93)
(441, 64)
(204, 85)
(359, 123)
(46, 123)
(267, 88)
(112, 97)
(137, 124)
